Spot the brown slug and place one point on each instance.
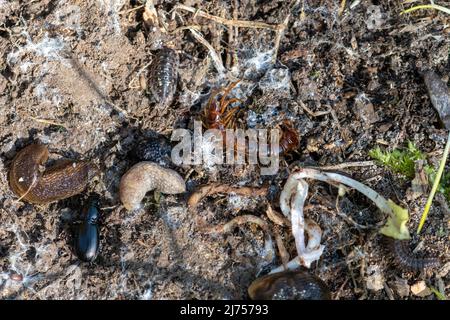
(63, 180)
(289, 285)
(144, 177)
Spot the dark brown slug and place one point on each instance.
(289, 285)
(403, 257)
(63, 180)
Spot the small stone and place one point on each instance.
(420, 289)
(375, 17)
(401, 287)
(365, 110)
(375, 279)
(444, 270)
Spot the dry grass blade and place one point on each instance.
(232, 22)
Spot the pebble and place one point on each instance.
(401, 287)
(444, 270)
(420, 289)
(375, 279)
(365, 109)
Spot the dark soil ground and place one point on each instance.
(64, 64)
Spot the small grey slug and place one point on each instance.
(144, 177)
(289, 285)
(63, 180)
(163, 76)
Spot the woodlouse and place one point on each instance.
(403, 256)
(163, 76)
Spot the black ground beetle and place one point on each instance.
(87, 239)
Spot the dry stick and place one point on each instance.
(278, 38)
(345, 165)
(217, 60)
(47, 122)
(342, 7)
(232, 22)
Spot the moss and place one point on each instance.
(399, 160)
(402, 161)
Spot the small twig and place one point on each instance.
(345, 165)
(312, 113)
(232, 22)
(131, 10)
(217, 60)
(47, 122)
(278, 37)
(342, 7)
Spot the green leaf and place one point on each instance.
(395, 226)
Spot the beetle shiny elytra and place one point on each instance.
(87, 241)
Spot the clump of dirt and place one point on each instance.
(72, 75)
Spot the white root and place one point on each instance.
(292, 200)
(147, 176)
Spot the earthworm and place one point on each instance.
(63, 180)
(163, 76)
(211, 189)
(144, 177)
(403, 257)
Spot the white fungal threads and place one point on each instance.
(144, 177)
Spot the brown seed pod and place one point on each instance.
(144, 177)
(289, 285)
(163, 76)
(403, 257)
(63, 180)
